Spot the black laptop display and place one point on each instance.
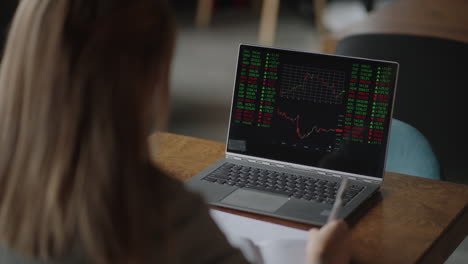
(312, 109)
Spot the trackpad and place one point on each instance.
(255, 200)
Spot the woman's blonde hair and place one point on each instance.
(77, 80)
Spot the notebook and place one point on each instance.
(262, 242)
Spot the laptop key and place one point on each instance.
(210, 179)
(219, 176)
(322, 182)
(296, 195)
(230, 182)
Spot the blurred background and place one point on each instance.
(206, 55)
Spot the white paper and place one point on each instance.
(263, 242)
(282, 251)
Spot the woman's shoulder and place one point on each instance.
(198, 238)
(184, 203)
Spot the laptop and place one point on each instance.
(300, 123)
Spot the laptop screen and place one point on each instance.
(316, 110)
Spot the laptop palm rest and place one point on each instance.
(256, 200)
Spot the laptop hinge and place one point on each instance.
(300, 167)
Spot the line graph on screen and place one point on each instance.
(300, 131)
(305, 83)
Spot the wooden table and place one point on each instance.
(418, 220)
(434, 18)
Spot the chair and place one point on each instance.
(430, 91)
(268, 19)
(410, 153)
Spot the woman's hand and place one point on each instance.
(329, 245)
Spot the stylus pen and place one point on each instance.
(337, 205)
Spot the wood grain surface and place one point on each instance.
(417, 221)
(435, 18)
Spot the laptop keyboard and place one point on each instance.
(297, 186)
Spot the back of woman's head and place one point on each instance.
(77, 81)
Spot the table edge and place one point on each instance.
(448, 241)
